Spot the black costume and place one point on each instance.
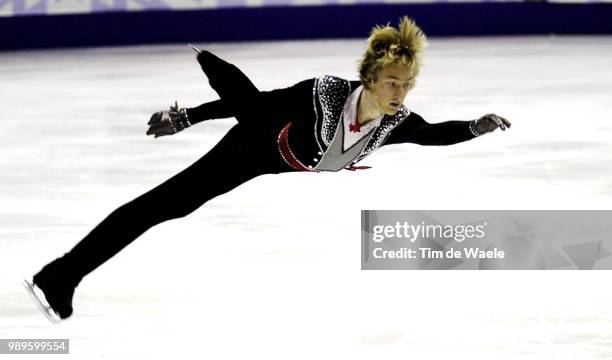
(249, 149)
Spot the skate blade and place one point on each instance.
(39, 298)
(195, 48)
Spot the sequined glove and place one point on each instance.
(488, 123)
(168, 122)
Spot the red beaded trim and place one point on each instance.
(287, 154)
(292, 161)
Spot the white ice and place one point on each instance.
(272, 269)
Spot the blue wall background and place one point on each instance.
(227, 23)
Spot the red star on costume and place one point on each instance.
(356, 127)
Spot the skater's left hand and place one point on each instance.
(490, 122)
(168, 122)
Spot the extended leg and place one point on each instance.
(239, 97)
(230, 163)
(226, 79)
(215, 173)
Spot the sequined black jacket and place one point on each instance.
(314, 107)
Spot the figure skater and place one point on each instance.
(319, 124)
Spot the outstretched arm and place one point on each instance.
(415, 129)
(217, 109)
(260, 105)
(169, 122)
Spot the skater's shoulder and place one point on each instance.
(328, 78)
(334, 84)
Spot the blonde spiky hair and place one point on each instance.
(388, 45)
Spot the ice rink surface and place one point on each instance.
(272, 269)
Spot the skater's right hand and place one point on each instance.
(159, 124)
(168, 122)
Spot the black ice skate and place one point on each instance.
(52, 291)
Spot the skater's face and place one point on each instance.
(391, 86)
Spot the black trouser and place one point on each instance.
(242, 154)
